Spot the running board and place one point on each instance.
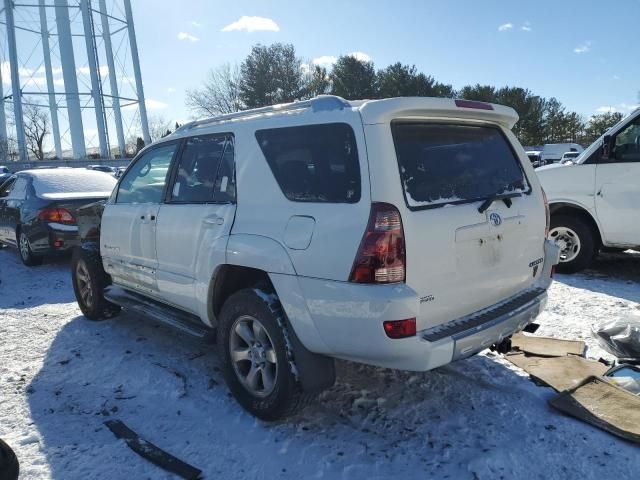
(166, 314)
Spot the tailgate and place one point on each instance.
(459, 259)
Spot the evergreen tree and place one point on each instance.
(353, 79)
(139, 144)
(271, 75)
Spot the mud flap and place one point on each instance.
(150, 452)
(316, 372)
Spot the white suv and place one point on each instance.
(405, 233)
(595, 200)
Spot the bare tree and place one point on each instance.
(36, 128)
(219, 94)
(159, 127)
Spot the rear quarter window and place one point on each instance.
(313, 163)
(448, 164)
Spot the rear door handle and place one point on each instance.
(213, 220)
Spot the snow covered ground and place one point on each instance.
(62, 376)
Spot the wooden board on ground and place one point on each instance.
(545, 346)
(560, 373)
(607, 406)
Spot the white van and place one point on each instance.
(595, 200)
(552, 152)
(406, 233)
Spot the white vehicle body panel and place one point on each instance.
(618, 202)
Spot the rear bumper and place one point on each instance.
(345, 320)
(54, 238)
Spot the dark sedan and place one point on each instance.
(4, 177)
(38, 209)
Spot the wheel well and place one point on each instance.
(572, 210)
(228, 279)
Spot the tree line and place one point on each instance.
(276, 74)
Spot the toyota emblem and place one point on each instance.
(495, 219)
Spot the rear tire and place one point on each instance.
(576, 240)
(89, 281)
(255, 356)
(9, 467)
(26, 254)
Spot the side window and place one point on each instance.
(225, 187)
(200, 162)
(314, 163)
(627, 147)
(19, 190)
(6, 187)
(145, 181)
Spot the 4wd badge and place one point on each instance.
(495, 219)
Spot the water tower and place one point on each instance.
(77, 61)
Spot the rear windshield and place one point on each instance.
(314, 163)
(76, 180)
(448, 164)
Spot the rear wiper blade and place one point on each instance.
(505, 197)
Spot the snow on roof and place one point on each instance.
(56, 181)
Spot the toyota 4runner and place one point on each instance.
(405, 233)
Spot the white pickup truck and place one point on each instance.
(595, 202)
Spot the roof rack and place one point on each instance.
(317, 104)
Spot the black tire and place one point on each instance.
(26, 254)
(586, 237)
(89, 281)
(286, 396)
(9, 467)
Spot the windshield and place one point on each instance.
(447, 164)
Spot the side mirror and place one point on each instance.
(607, 147)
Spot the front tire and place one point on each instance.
(256, 360)
(26, 254)
(576, 240)
(89, 281)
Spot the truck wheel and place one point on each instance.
(576, 240)
(89, 280)
(255, 355)
(26, 254)
(9, 468)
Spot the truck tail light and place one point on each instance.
(57, 215)
(381, 257)
(400, 328)
(547, 214)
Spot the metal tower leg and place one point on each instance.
(113, 79)
(69, 76)
(3, 123)
(53, 106)
(96, 85)
(136, 71)
(15, 81)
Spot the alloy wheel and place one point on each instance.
(253, 356)
(24, 246)
(83, 281)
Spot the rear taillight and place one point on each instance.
(57, 215)
(400, 328)
(381, 257)
(547, 214)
